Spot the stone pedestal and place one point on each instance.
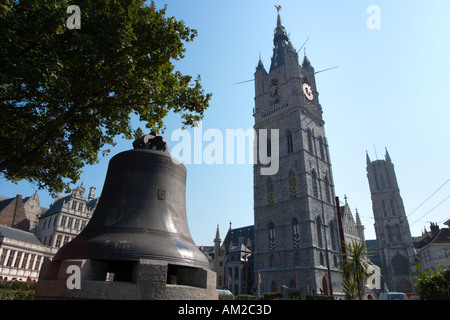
(124, 280)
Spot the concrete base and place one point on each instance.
(112, 280)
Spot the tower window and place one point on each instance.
(383, 184)
(322, 153)
(383, 204)
(269, 147)
(314, 182)
(296, 233)
(271, 236)
(319, 232)
(327, 189)
(327, 155)
(334, 236)
(270, 190)
(310, 142)
(394, 214)
(292, 185)
(290, 147)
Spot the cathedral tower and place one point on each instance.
(294, 206)
(391, 226)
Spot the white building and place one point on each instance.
(66, 217)
(433, 247)
(21, 254)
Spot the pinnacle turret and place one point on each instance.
(306, 63)
(260, 65)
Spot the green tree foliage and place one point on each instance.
(433, 284)
(17, 290)
(66, 93)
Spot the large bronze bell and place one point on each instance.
(137, 244)
(141, 212)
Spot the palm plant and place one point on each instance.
(356, 269)
(349, 287)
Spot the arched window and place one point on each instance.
(269, 147)
(383, 184)
(327, 189)
(271, 236)
(322, 153)
(327, 157)
(296, 233)
(334, 236)
(319, 232)
(270, 190)
(314, 183)
(292, 185)
(290, 147)
(325, 285)
(273, 286)
(310, 141)
(383, 204)
(394, 214)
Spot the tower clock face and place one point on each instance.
(308, 91)
(274, 92)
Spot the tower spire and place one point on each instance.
(306, 62)
(278, 16)
(281, 43)
(217, 238)
(359, 226)
(260, 65)
(388, 157)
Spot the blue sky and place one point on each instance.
(391, 90)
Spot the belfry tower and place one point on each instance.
(294, 206)
(391, 226)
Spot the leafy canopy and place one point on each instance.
(66, 93)
(434, 283)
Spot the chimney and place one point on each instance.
(91, 194)
(434, 228)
